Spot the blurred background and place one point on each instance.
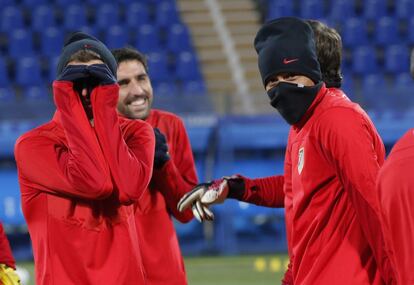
(204, 68)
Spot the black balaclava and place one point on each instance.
(286, 45)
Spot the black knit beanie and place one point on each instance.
(286, 45)
(77, 41)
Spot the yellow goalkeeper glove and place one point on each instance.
(8, 276)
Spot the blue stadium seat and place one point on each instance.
(404, 79)
(52, 66)
(11, 18)
(106, 16)
(386, 32)
(410, 30)
(147, 39)
(116, 37)
(4, 76)
(194, 87)
(311, 9)
(90, 30)
(21, 43)
(137, 14)
(74, 17)
(158, 67)
(178, 38)
(354, 33)
(10, 209)
(96, 3)
(364, 60)
(34, 3)
(28, 71)
(128, 2)
(375, 92)
(402, 91)
(42, 18)
(374, 9)
(66, 3)
(187, 67)
(245, 228)
(7, 94)
(51, 41)
(36, 93)
(348, 85)
(341, 10)
(404, 9)
(166, 14)
(4, 3)
(165, 88)
(279, 8)
(251, 167)
(397, 58)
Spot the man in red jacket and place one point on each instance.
(329, 52)
(174, 172)
(330, 200)
(396, 188)
(8, 275)
(81, 173)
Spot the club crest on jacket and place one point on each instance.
(301, 159)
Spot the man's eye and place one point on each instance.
(123, 82)
(142, 78)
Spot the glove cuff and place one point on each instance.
(237, 187)
(161, 161)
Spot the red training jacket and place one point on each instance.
(6, 256)
(396, 189)
(78, 184)
(265, 191)
(332, 212)
(160, 250)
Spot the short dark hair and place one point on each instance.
(84, 55)
(129, 53)
(329, 51)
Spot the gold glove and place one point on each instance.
(8, 276)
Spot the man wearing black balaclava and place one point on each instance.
(332, 159)
(81, 172)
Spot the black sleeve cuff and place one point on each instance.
(237, 188)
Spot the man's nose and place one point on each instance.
(136, 88)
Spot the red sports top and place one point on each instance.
(332, 211)
(78, 185)
(6, 256)
(160, 250)
(396, 190)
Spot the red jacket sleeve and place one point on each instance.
(178, 175)
(6, 256)
(78, 170)
(288, 277)
(130, 165)
(351, 142)
(267, 191)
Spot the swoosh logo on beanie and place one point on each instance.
(287, 61)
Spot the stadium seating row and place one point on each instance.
(76, 14)
(340, 10)
(34, 71)
(147, 38)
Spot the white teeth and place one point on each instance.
(138, 102)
